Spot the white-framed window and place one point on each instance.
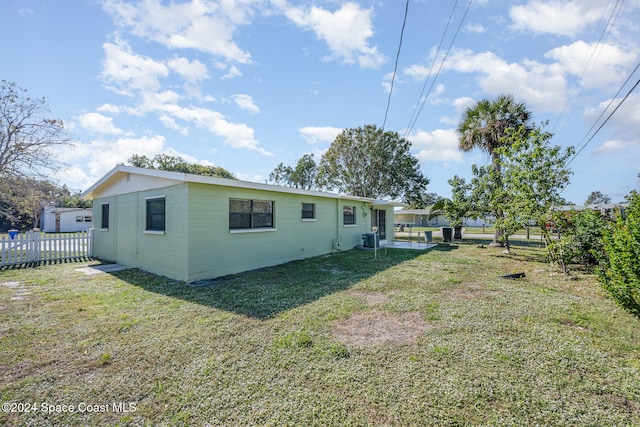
(156, 214)
(308, 211)
(104, 219)
(348, 215)
(250, 214)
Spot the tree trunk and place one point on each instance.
(498, 234)
(497, 243)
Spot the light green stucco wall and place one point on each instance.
(198, 244)
(214, 250)
(126, 241)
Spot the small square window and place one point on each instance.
(308, 211)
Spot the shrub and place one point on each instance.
(587, 242)
(581, 238)
(619, 269)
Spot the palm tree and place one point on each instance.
(485, 124)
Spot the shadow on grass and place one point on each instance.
(262, 294)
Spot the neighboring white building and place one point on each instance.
(61, 220)
(420, 218)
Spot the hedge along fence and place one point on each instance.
(34, 246)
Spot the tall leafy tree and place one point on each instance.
(421, 200)
(303, 175)
(170, 163)
(22, 200)
(484, 126)
(369, 162)
(27, 136)
(533, 173)
(281, 175)
(458, 207)
(596, 198)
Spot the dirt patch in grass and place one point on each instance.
(471, 292)
(375, 327)
(370, 298)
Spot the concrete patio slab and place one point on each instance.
(101, 269)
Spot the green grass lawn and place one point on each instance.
(412, 338)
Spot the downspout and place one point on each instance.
(337, 240)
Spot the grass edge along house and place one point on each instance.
(191, 227)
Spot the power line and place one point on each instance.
(603, 123)
(435, 57)
(439, 69)
(612, 17)
(609, 105)
(395, 68)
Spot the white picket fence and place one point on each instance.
(35, 246)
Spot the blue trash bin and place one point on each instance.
(13, 233)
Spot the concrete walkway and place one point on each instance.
(101, 269)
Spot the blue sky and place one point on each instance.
(247, 84)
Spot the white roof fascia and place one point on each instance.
(184, 177)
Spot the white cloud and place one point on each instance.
(608, 65)
(440, 145)
(460, 105)
(615, 145)
(170, 123)
(475, 28)
(565, 18)
(625, 122)
(245, 102)
(192, 72)
(621, 133)
(96, 122)
(541, 86)
(236, 135)
(416, 71)
(346, 31)
(100, 156)
(202, 25)
(130, 71)
(108, 108)
(319, 134)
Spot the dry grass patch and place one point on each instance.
(471, 292)
(371, 299)
(375, 327)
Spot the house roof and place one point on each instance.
(596, 207)
(413, 212)
(54, 209)
(178, 177)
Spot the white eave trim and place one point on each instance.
(185, 178)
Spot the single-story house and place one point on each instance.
(420, 218)
(191, 227)
(605, 209)
(56, 220)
